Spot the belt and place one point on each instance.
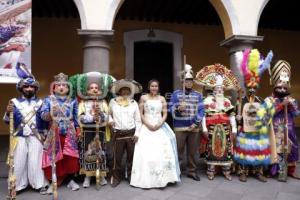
(124, 132)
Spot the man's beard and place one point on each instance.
(220, 100)
(188, 90)
(281, 94)
(29, 94)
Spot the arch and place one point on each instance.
(175, 39)
(239, 17)
(81, 12)
(98, 15)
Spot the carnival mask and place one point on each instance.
(61, 89)
(284, 79)
(93, 90)
(218, 91)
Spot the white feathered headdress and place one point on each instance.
(188, 72)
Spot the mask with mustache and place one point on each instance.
(28, 94)
(281, 94)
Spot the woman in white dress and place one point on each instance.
(155, 162)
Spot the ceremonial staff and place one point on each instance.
(283, 162)
(12, 195)
(183, 87)
(52, 137)
(98, 145)
(53, 164)
(239, 108)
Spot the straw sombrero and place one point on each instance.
(134, 86)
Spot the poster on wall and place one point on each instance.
(15, 38)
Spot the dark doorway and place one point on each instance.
(154, 60)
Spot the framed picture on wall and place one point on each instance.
(15, 38)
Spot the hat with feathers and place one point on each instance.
(26, 78)
(188, 72)
(252, 66)
(81, 82)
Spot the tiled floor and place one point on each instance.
(187, 189)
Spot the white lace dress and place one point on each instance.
(155, 162)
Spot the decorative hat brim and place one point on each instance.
(134, 86)
(207, 77)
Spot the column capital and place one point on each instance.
(96, 38)
(104, 33)
(240, 42)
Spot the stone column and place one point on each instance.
(96, 47)
(238, 43)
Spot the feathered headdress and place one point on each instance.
(188, 72)
(80, 83)
(26, 77)
(252, 66)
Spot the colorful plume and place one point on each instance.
(266, 63)
(253, 65)
(244, 64)
(22, 71)
(253, 61)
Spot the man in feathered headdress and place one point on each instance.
(92, 89)
(252, 148)
(186, 107)
(218, 124)
(28, 148)
(286, 109)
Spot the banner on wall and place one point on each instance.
(15, 38)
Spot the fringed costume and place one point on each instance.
(252, 148)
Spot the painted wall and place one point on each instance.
(57, 48)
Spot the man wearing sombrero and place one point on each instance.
(125, 121)
(218, 124)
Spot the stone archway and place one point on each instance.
(160, 35)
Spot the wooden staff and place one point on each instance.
(283, 173)
(183, 86)
(53, 164)
(53, 160)
(286, 132)
(97, 140)
(239, 109)
(12, 195)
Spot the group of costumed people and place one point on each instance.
(88, 122)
